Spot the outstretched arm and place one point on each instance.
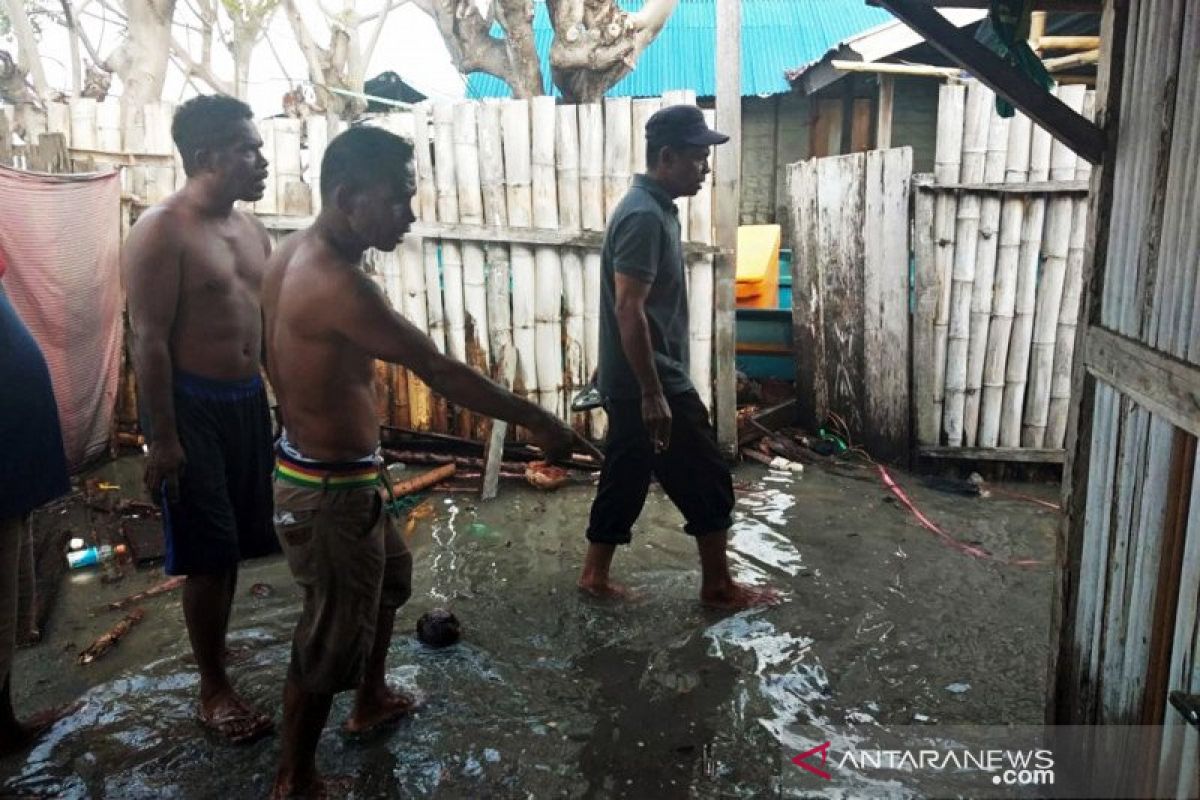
(364, 317)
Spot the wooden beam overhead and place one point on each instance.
(1072, 129)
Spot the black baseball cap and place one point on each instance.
(681, 126)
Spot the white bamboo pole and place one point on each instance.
(681, 97)
(158, 137)
(548, 306)
(268, 204)
(495, 212)
(975, 137)
(427, 202)
(83, 132)
(1056, 245)
(593, 208)
(1008, 250)
(447, 198)
(700, 291)
(470, 211)
(947, 165)
(518, 173)
(571, 220)
(1068, 318)
(292, 197)
(985, 272)
(108, 126)
(316, 132)
(618, 142)
(58, 120)
(1028, 263)
(643, 109)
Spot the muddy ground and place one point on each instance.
(885, 628)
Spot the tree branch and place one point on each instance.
(201, 71)
(27, 49)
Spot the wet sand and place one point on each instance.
(552, 695)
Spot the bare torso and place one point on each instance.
(217, 331)
(324, 384)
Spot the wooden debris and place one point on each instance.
(169, 585)
(109, 639)
(425, 481)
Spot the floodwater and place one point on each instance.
(885, 627)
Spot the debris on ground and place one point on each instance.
(422, 511)
(424, 481)
(261, 590)
(438, 627)
(110, 638)
(169, 585)
(546, 476)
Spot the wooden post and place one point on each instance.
(1016, 369)
(159, 181)
(985, 271)
(1012, 213)
(727, 185)
(83, 133)
(548, 282)
(593, 209)
(947, 165)
(700, 290)
(518, 169)
(926, 293)
(975, 136)
(1050, 288)
(571, 220)
(883, 112)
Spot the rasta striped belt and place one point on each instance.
(321, 475)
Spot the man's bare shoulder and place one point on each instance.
(252, 226)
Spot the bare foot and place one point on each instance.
(316, 787)
(26, 734)
(232, 718)
(734, 596)
(379, 710)
(606, 590)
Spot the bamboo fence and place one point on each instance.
(1002, 268)
(502, 268)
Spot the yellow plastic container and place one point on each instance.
(758, 266)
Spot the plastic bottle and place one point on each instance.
(87, 557)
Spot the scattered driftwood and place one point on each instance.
(109, 639)
(425, 481)
(169, 585)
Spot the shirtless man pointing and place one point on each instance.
(327, 322)
(193, 268)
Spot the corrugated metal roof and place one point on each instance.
(776, 35)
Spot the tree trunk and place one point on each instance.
(27, 47)
(141, 59)
(243, 47)
(467, 34)
(596, 43)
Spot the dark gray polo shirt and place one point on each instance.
(643, 241)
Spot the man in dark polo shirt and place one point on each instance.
(657, 424)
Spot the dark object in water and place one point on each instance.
(262, 590)
(438, 628)
(109, 639)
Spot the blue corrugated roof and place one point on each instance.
(776, 35)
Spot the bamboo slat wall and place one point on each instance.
(534, 181)
(998, 275)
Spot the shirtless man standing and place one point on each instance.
(193, 269)
(327, 322)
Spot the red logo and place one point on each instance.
(800, 761)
